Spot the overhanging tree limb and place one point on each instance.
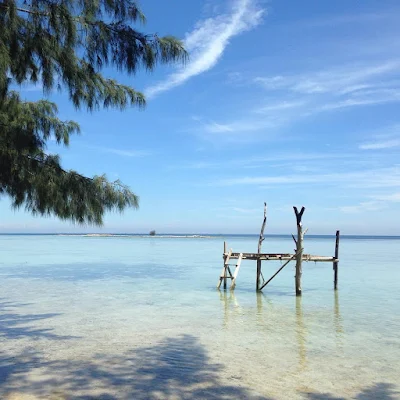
(64, 45)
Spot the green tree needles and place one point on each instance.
(64, 45)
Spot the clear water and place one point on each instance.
(140, 318)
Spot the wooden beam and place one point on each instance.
(222, 277)
(277, 272)
(281, 257)
(235, 274)
(336, 262)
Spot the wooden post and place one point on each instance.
(299, 249)
(336, 262)
(225, 278)
(224, 265)
(260, 240)
(226, 258)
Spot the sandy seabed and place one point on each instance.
(96, 319)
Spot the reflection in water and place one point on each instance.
(337, 319)
(301, 333)
(270, 317)
(259, 303)
(261, 312)
(228, 299)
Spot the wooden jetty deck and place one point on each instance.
(299, 256)
(279, 257)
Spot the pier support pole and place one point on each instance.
(260, 240)
(225, 251)
(299, 249)
(336, 262)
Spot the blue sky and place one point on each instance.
(288, 102)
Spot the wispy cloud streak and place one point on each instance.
(207, 42)
(299, 96)
(122, 153)
(343, 80)
(372, 178)
(387, 138)
(386, 144)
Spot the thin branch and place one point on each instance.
(7, 7)
(63, 171)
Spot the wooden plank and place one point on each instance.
(280, 257)
(235, 274)
(228, 257)
(336, 262)
(277, 272)
(223, 272)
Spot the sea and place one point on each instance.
(139, 317)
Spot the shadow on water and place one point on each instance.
(94, 271)
(176, 368)
(15, 325)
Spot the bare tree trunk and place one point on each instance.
(260, 240)
(299, 248)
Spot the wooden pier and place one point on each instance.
(299, 256)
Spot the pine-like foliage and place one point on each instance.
(64, 45)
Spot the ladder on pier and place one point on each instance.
(226, 272)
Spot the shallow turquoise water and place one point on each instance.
(131, 318)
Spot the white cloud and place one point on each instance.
(280, 106)
(336, 88)
(207, 42)
(239, 127)
(385, 138)
(333, 89)
(128, 153)
(363, 207)
(338, 80)
(363, 98)
(394, 197)
(387, 144)
(377, 202)
(372, 178)
(123, 153)
(284, 160)
(213, 127)
(246, 210)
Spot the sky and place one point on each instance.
(295, 103)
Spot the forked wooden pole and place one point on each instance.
(336, 262)
(260, 240)
(299, 249)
